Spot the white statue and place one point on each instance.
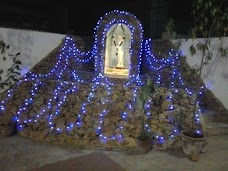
(120, 51)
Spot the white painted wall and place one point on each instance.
(215, 74)
(32, 45)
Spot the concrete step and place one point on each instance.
(216, 128)
(213, 116)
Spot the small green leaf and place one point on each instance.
(18, 62)
(17, 73)
(17, 54)
(18, 67)
(1, 86)
(192, 50)
(224, 52)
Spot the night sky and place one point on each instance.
(83, 20)
(83, 15)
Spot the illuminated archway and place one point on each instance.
(108, 29)
(117, 51)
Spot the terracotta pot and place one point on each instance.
(191, 146)
(145, 145)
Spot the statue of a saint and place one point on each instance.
(120, 52)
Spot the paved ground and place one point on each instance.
(22, 154)
(95, 161)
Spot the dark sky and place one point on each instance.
(84, 19)
(83, 15)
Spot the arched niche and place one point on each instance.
(118, 21)
(117, 51)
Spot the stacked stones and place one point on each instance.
(161, 119)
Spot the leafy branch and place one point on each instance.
(12, 74)
(210, 21)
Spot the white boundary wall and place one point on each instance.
(215, 74)
(32, 45)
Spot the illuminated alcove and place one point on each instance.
(117, 51)
(118, 45)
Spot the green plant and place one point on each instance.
(180, 120)
(210, 21)
(12, 74)
(143, 96)
(170, 27)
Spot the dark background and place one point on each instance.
(80, 17)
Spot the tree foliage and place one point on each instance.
(12, 74)
(210, 21)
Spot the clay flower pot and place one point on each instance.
(192, 145)
(145, 145)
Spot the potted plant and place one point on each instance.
(209, 22)
(145, 137)
(193, 139)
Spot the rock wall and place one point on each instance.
(93, 116)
